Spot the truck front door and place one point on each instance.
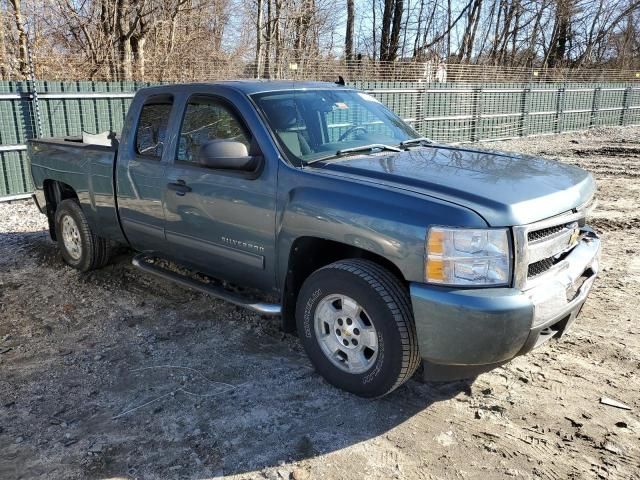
(220, 221)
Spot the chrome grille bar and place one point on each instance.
(555, 244)
(538, 249)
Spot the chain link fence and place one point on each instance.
(449, 103)
(292, 64)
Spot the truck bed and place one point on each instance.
(88, 169)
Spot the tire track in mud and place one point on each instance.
(611, 159)
(616, 171)
(613, 224)
(516, 445)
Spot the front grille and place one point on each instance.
(544, 233)
(540, 267)
(545, 245)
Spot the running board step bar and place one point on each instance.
(270, 309)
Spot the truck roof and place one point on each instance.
(249, 87)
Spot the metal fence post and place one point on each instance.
(477, 112)
(37, 121)
(560, 109)
(625, 105)
(420, 123)
(526, 107)
(595, 106)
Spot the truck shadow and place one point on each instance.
(256, 403)
(151, 377)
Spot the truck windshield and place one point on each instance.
(317, 124)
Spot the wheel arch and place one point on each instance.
(308, 254)
(55, 192)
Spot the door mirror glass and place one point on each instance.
(227, 155)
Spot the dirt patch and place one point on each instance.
(117, 374)
(603, 224)
(610, 151)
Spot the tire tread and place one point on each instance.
(98, 249)
(395, 295)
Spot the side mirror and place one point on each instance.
(227, 155)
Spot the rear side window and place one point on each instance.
(152, 127)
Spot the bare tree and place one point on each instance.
(23, 47)
(561, 32)
(259, 44)
(192, 39)
(471, 28)
(391, 25)
(348, 38)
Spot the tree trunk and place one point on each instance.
(394, 42)
(126, 57)
(277, 42)
(387, 17)
(267, 38)
(348, 38)
(259, 27)
(391, 27)
(4, 65)
(449, 27)
(416, 38)
(23, 48)
(558, 50)
(137, 47)
(374, 29)
(470, 32)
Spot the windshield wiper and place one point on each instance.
(366, 148)
(413, 141)
(362, 148)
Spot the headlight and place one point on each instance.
(460, 256)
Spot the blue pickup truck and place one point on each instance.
(315, 202)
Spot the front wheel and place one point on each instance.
(355, 322)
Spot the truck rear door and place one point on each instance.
(141, 171)
(221, 221)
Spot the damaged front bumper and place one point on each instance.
(463, 332)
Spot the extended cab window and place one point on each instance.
(152, 127)
(207, 119)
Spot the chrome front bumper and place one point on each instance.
(558, 300)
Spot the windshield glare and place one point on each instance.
(311, 124)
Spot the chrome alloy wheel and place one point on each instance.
(71, 237)
(346, 333)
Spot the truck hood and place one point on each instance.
(505, 189)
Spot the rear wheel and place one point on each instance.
(80, 247)
(355, 322)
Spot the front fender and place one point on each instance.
(388, 222)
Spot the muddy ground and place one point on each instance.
(114, 374)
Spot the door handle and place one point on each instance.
(180, 187)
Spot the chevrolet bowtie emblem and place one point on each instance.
(574, 236)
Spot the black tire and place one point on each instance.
(387, 302)
(95, 251)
